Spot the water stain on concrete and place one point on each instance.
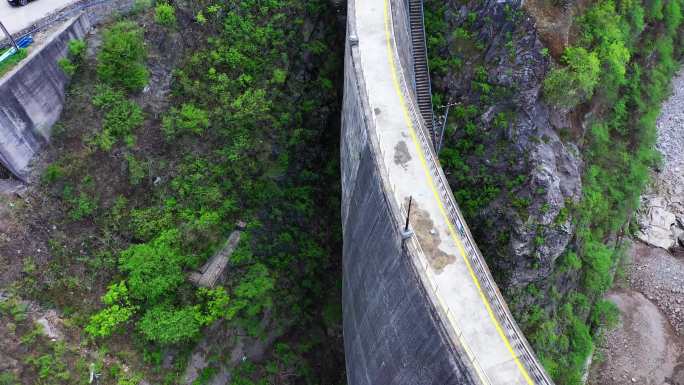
(401, 154)
(428, 237)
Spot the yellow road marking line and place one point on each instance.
(452, 232)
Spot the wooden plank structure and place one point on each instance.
(213, 269)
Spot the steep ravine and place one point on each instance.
(648, 345)
(548, 146)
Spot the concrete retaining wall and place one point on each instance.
(98, 11)
(391, 332)
(32, 96)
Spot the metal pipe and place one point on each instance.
(14, 43)
(408, 214)
(441, 135)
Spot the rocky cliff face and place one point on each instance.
(530, 172)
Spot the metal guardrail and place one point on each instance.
(522, 348)
(495, 298)
(514, 334)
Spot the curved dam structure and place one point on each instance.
(420, 305)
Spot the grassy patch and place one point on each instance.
(12, 61)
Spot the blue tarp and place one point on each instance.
(22, 42)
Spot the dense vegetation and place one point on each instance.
(143, 198)
(619, 64)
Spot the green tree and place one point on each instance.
(574, 83)
(121, 61)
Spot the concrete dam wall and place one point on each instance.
(32, 96)
(419, 308)
(392, 336)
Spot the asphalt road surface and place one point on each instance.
(17, 18)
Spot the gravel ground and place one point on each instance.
(643, 349)
(669, 182)
(660, 277)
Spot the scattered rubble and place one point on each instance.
(659, 276)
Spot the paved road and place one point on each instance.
(448, 270)
(18, 18)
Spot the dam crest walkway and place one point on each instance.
(449, 264)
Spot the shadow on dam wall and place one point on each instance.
(392, 334)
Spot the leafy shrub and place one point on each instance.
(168, 325)
(121, 117)
(252, 296)
(52, 173)
(8, 378)
(67, 66)
(147, 223)
(154, 268)
(605, 313)
(217, 305)
(75, 56)
(571, 261)
(567, 86)
(655, 10)
(81, 205)
(606, 32)
(279, 76)
(136, 170)
(121, 61)
(77, 50)
(672, 16)
(165, 14)
(119, 310)
(187, 119)
(108, 320)
(200, 18)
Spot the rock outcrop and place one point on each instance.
(526, 228)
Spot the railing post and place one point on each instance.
(406, 233)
